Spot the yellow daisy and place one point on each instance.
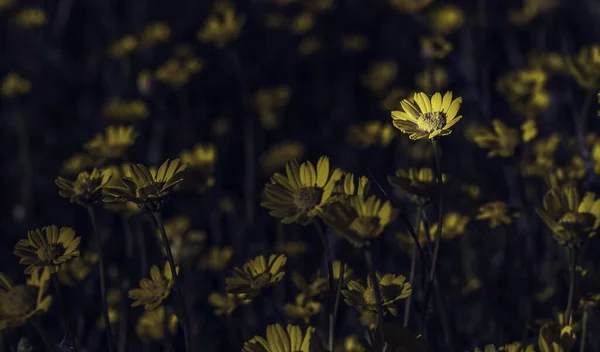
(18, 303)
(256, 275)
(113, 143)
(216, 259)
(303, 308)
(152, 324)
(48, 248)
(427, 117)
(280, 339)
(226, 304)
(86, 189)
(154, 291)
(392, 288)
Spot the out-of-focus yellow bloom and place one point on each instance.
(113, 143)
(77, 269)
(30, 17)
(585, 67)
(269, 103)
(445, 19)
(201, 162)
(368, 318)
(409, 6)
(151, 324)
(531, 9)
(525, 91)
(571, 219)
(370, 134)
(501, 141)
(6, 4)
(123, 47)
(310, 45)
(77, 163)
(529, 130)
(556, 339)
(124, 110)
(176, 71)
(418, 184)
(184, 243)
(144, 82)
(351, 344)
(226, 304)
(303, 308)
(320, 284)
(432, 80)
(222, 28)
(392, 289)
(435, 47)
(302, 23)
(393, 96)
(292, 249)
(548, 61)
(354, 42)
(380, 75)
(156, 289)
(278, 338)
(256, 275)
(48, 248)
(86, 189)
(427, 117)
(544, 295)
(543, 163)
(497, 213)
(18, 303)
(154, 34)
(473, 284)
(217, 259)
(453, 225)
(113, 298)
(278, 155)
(14, 85)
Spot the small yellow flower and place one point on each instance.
(154, 291)
(48, 248)
(151, 324)
(525, 91)
(418, 184)
(497, 213)
(125, 110)
(446, 19)
(529, 130)
(18, 303)
(86, 189)
(370, 134)
(226, 304)
(380, 75)
(77, 163)
(123, 47)
(302, 23)
(217, 259)
(549, 61)
(427, 117)
(256, 275)
(222, 28)
(278, 155)
(14, 85)
(320, 284)
(113, 143)
(31, 17)
(543, 163)
(473, 284)
(154, 34)
(201, 163)
(453, 225)
(303, 308)
(585, 67)
(409, 6)
(502, 141)
(432, 79)
(347, 187)
(280, 339)
(77, 269)
(300, 195)
(351, 344)
(148, 188)
(435, 47)
(269, 103)
(392, 289)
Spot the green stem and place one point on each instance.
(573, 262)
(329, 270)
(583, 330)
(376, 288)
(183, 316)
(38, 327)
(413, 266)
(63, 311)
(102, 278)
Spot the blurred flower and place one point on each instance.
(409, 6)
(525, 91)
(585, 67)
(113, 299)
(222, 28)
(201, 162)
(292, 248)
(432, 79)
(30, 17)
(497, 213)
(435, 47)
(113, 144)
(392, 289)
(77, 269)
(427, 117)
(446, 19)
(473, 284)
(48, 248)
(6, 4)
(278, 155)
(370, 134)
(256, 275)
(148, 188)
(320, 285)
(543, 163)
(18, 303)
(351, 344)
(547, 61)
(14, 85)
(177, 70)
(270, 103)
(123, 47)
(354, 42)
(226, 304)
(217, 259)
(302, 23)
(154, 34)
(531, 9)
(529, 130)
(570, 218)
(290, 338)
(418, 184)
(77, 163)
(86, 189)
(122, 110)
(310, 45)
(453, 225)
(393, 97)
(380, 75)
(220, 127)
(154, 291)
(300, 195)
(184, 243)
(501, 141)
(368, 318)
(151, 324)
(303, 308)
(560, 339)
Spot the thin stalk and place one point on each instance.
(102, 278)
(583, 330)
(183, 318)
(329, 269)
(413, 267)
(572, 263)
(336, 304)
(377, 289)
(40, 330)
(63, 311)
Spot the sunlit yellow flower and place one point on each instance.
(300, 195)
(302, 23)
(201, 162)
(418, 184)
(86, 189)
(380, 75)
(222, 28)
(556, 339)
(570, 218)
(436, 47)
(113, 299)
(392, 289)
(310, 45)
(497, 213)
(278, 155)
(77, 269)
(303, 308)
(151, 324)
(409, 6)
(217, 259)
(113, 143)
(154, 291)
(148, 188)
(530, 10)
(427, 117)
(525, 91)
(123, 47)
(154, 34)
(446, 18)
(432, 79)
(124, 110)
(280, 339)
(256, 275)
(18, 303)
(47, 248)
(501, 141)
(184, 243)
(30, 17)
(529, 130)
(354, 42)
(370, 134)
(270, 103)
(226, 304)
(585, 67)
(14, 85)
(292, 249)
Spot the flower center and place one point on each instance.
(261, 280)
(365, 225)
(50, 252)
(574, 221)
(432, 121)
(307, 198)
(86, 185)
(369, 296)
(18, 301)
